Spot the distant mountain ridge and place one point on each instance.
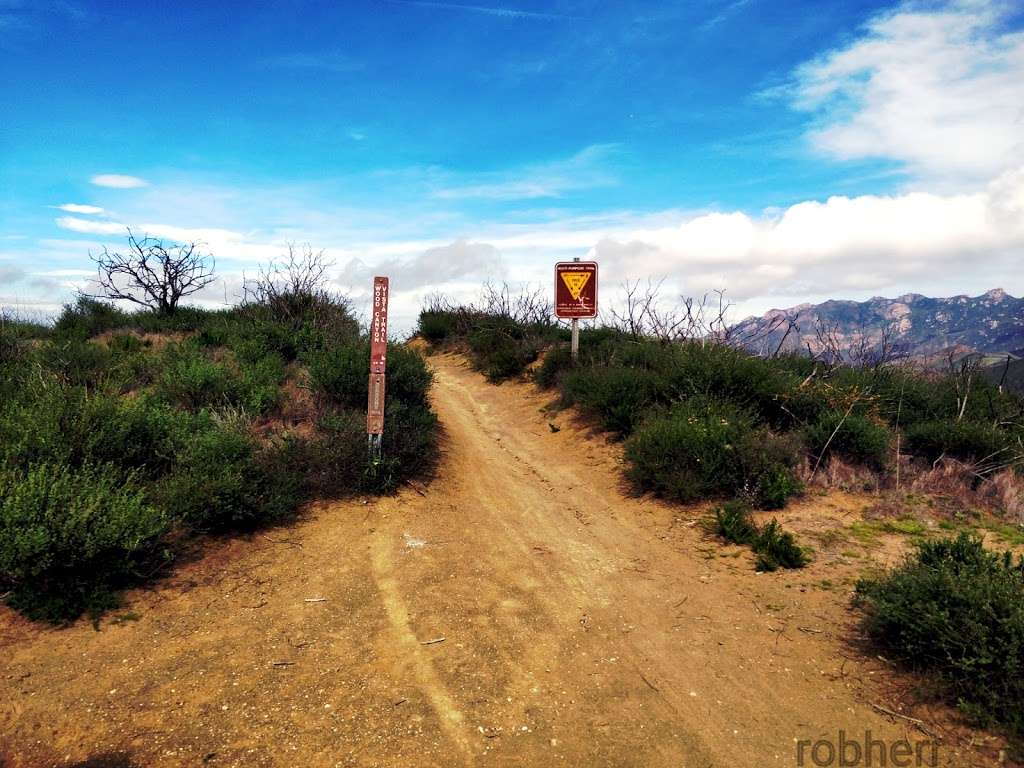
(990, 324)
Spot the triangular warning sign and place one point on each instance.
(575, 281)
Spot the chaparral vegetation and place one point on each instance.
(124, 434)
(701, 418)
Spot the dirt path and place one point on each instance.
(520, 611)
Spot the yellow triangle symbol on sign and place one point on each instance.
(575, 281)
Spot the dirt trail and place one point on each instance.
(521, 610)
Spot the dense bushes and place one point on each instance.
(504, 335)
(957, 610)
(966, 440)
(706, 448)
(69, 534)
(619, 397)
(856, 438)
(338, 459)
(113, 447)
(706, 419)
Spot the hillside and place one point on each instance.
(519, 610)
(918, 325)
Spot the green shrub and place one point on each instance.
(436, 326)
(957, 610)
(689, 453)
(69, 535)
(733, 523)
(774, 547)
(706, 449)
(503, 349)
(618, 397)
(221, 480)
(67, 425)
(341, 372)
(339, 462)
(87, 318)
(77, 362)
(556, 362)
(966, 440)
(191, 381)
(775, 484)
(859, 439)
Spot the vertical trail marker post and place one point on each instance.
(378, 367)
(575, 295)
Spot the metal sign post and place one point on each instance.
(575, 295)
(378, 367)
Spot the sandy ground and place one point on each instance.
(522, 609)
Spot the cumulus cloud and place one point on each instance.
(84, 210)
(459, 260)
(843, 244)
(939, 89)
(118, 181)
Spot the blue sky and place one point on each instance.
(781, 151)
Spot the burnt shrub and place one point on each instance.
(956, 610)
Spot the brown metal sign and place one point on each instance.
(379, 326)
(375, 406)
(378, 357)
(575, 289)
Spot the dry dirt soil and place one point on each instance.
(521, 609)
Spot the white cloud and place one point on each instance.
(118, 181)
(939, 89)
(838, 246)
(85, 210)
(460, 260)
(89, 226)
(552, 179)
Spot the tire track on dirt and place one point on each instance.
(410, 648)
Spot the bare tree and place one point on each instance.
(530, 306)
(644, 314)
(962, 373)
(295, 289)
(151, 274)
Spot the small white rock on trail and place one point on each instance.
(521, 609)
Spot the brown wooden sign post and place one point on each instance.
(575, 295)
(378, 366)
